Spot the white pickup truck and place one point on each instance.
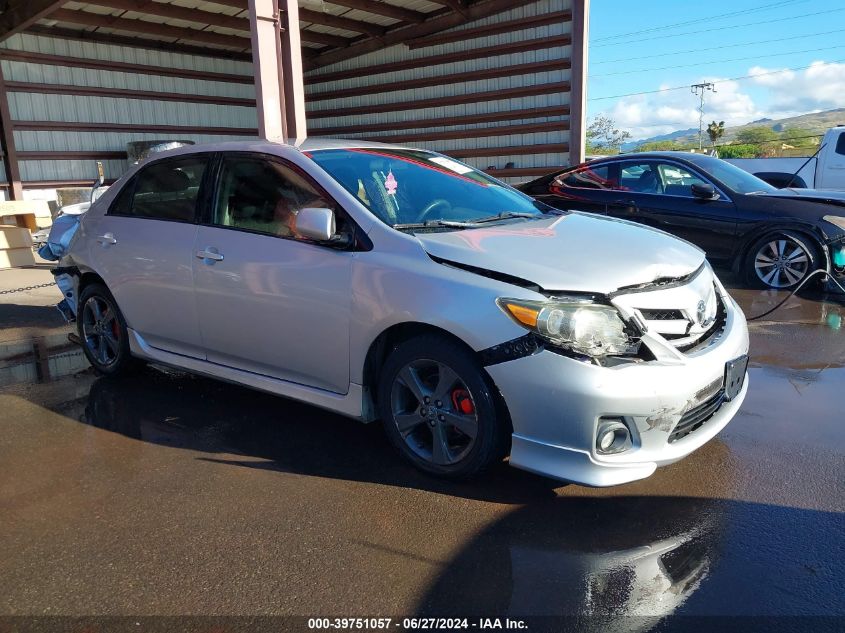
(825, 171)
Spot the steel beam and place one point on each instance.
(294, 81)
(7, 145)
(21, 14)
(403, 32)
(277, 64)
(578, 81)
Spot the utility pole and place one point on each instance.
(699, 90)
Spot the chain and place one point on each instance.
(25, 288)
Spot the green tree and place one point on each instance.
(764, 138)
(603, 137)
(738, 151)
(715, 131)
(800, 137)
(756, 135)
(661, 146)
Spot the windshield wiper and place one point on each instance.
(434, 224)
(506, 215)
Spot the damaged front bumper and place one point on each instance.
(671, 406)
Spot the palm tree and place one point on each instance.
(715, 131)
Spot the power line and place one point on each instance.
(714, 48)
(720, 28)
(718, 61)
(773, 5)
(684, 87)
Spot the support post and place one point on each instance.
(578, 82)
(7, 144)
(277, 67)
(294, 82)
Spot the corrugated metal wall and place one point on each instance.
(402, 94)
(493, 92)
(45, 122)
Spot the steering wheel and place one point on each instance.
(430, 207)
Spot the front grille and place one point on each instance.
(693, 419)
(662, 315)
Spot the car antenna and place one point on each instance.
(806, 162)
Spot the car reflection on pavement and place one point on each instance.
(618, 563)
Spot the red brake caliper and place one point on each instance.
(462, 402)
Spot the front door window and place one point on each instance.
(263, 196)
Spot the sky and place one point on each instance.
(652, 45)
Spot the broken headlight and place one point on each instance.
(585, 328)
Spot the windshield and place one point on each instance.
(734, 178)
(415, 187)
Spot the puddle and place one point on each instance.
(40, 359)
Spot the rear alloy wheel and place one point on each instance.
(102, 330)
(438, 408)
(780, 262)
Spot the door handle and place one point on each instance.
(210, 255)
(106, 239)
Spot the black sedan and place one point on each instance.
(773, 237)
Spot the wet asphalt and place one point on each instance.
(168, 494)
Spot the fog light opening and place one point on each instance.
(612, 437)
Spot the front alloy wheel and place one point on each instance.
(434, 412)
(440, 409)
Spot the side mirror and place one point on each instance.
(316, 224)
(704, 192)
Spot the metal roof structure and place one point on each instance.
(499, 84)
(329, 30)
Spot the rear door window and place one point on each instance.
(588, 177)
(165, 190)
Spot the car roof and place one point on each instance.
(684, 156)
(272, 147)
(687, 156)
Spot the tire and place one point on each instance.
(459, 431)
(102, 330)
(781, 261)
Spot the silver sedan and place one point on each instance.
(392, 283)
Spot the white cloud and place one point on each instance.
(778, 95)
(819, 87)
(660, 113)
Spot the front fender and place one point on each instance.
(394, 289)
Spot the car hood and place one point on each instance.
(809, 195)
(575, 252)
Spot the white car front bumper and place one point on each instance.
(556, 403)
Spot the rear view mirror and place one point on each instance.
(315, 224)
(704, 192)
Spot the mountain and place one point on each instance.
(662, 137)
(814, 122)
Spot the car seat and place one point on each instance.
(648, 182)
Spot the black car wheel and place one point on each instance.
(439, 410)
(781, 261)
(102, 330)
